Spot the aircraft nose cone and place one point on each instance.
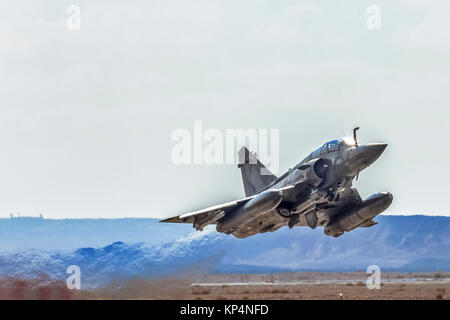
(365, 155)
(374, 150)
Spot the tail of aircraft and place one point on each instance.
(254, 174)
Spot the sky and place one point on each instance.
(87, 115)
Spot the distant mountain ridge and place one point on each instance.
(107, 249)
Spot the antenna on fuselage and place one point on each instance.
(354, 136)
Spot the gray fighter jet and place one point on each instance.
(316, 192)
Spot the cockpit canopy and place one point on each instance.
(330, 146)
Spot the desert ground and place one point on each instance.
(296, 286)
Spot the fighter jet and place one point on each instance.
(317, 192)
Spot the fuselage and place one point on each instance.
(328, 173)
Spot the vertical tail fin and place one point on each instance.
(254, 174)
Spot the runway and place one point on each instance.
(317, 282)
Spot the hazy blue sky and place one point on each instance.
(86, 115)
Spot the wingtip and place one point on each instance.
(169, 219)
